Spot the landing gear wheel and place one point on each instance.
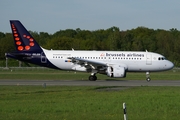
(92, 78)
(148, 79)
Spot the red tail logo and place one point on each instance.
(18, 40)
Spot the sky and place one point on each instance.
(54, 15)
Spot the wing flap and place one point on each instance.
(87, 63)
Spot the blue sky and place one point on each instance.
(52, 15)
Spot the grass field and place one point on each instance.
(49, 74)
(88, 103)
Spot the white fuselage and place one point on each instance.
(131, 60)
(111, 63)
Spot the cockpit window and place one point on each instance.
(161, 58)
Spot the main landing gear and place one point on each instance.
(92, 77)
(148, 79)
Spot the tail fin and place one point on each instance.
(27, 49)
(22, 38)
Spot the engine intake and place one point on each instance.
(116, 71)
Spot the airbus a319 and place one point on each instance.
(111, 63)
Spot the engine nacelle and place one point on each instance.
(116, 71)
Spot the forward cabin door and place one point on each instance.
(148, 59)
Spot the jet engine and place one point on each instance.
(116, 71)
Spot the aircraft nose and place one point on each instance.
(169, 65)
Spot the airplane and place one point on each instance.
(114, 64)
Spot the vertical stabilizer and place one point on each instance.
(22, 38)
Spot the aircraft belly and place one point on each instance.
(142, 66)
(137, 66)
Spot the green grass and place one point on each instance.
(88, 103)
(85, 102)
(48, 74)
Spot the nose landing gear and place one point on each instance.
(148, 79)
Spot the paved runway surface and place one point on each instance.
(93, 83)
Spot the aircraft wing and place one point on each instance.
(88, 63)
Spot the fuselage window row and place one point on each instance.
(104, 58)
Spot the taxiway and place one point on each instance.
(92, 83)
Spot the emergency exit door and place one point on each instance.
(43, 58)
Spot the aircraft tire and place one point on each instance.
(92, 78)
(148, 79)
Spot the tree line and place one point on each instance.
(165, 42)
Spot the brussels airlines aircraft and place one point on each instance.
(110, 63)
